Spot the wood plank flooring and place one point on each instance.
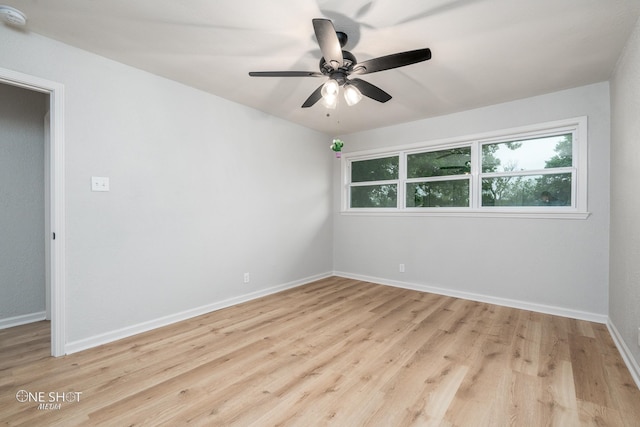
(335, 352)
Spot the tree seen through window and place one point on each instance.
(509, 188)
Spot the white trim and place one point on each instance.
(464, 212)
(57, 254)
(632, 364)
(23, 319)
(47, 212)
(128, 331)
(522, 305)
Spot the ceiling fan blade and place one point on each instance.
(371, 91)
(328, 41)
(313, 98)
(285, 74)
(392, 61)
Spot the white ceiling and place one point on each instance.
(484, 51)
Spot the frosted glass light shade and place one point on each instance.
(330, 88)
(352, 95)
(329, 93)
(330, 101)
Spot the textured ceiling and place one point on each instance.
(484, 51)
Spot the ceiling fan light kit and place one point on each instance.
(338, 65)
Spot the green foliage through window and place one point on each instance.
(374, 196)
(530, 154)
(382, 169)
(530, 190)
(454, 161)
(510, 189)
(438, 194)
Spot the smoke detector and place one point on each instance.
(12, 16)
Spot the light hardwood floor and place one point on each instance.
(335, 352)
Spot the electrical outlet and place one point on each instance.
(247, 277)
(401, 268)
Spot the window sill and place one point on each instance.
(471, 214)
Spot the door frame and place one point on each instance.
(56, 218)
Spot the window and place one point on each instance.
(539, 170)
(374, 183)
(531, 172)
(439, 178)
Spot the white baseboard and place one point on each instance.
(523, 305)
(84, 344)
(22, 319)
(625, 352)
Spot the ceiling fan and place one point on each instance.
(338, 65)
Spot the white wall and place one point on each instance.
(22, 263)
(202, 190)
(624, 279)
(531, 262)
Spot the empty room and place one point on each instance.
(314, 212)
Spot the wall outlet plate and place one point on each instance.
(99, 183)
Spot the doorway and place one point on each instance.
(53, 208)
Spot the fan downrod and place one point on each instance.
(342, 38)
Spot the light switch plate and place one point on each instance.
(99, 183)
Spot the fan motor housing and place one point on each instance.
(348, 61)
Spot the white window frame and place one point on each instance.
(397, 182)
(578, 209)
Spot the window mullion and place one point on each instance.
(548, 171)
(368, 183)
(402, 177)
(476, 182)
(438, 178)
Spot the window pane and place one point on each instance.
(536, 190)
(530, 154)
(456, 161)
(375, 169)
(374, 196)
(437, 194)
